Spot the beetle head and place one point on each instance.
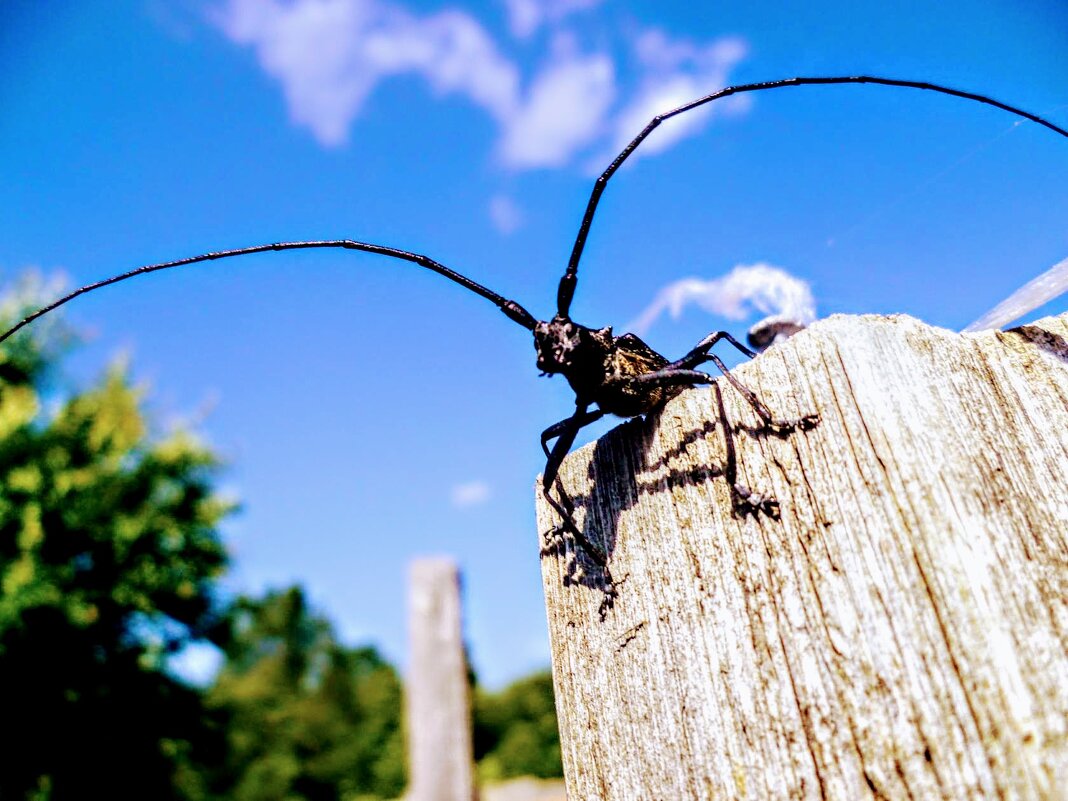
(557, 343)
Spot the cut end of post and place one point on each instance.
(897, 632)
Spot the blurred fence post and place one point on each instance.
(437, 693)
(901, 631)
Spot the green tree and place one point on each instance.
(108, 552)
(516, 732)
(308, 717)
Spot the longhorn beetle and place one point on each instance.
(620, 375)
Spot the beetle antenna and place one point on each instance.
(566, 290)
(511, 309)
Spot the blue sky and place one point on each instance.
(370, 412)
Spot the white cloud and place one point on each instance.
(309, 47)
(754, 287)
(472, 493)
(526, 16)
(330, 55)
(455, 54)
(676, 72)
(659, 52)
(564, 112)
(505, 215)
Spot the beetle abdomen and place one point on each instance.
(628, 359)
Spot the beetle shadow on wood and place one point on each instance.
(1042, 338)
(621, 470)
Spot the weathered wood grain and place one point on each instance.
(901, 632)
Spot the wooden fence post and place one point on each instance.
(900, 633)
(437, 695)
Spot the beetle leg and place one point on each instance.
(565, 432)
(805, 423)
(555, 430)
(744, 500)
(699, 354)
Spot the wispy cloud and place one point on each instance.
(675, 72)
(563, 112)
(505, 215)
(329, 56)
(745, 289)
(525, 17)
(471, 493)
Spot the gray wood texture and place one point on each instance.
(901, 632)
(437, 696)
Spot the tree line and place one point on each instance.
(110, 562)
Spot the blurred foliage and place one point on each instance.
(108, 551)
(516, 732)
(308, 717)
(109, 558)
